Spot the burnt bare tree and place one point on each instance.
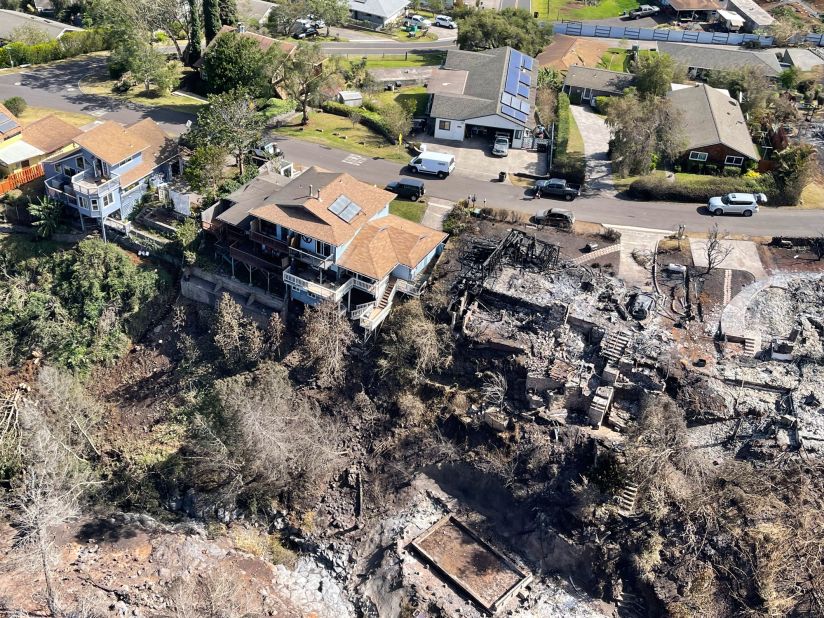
(327, 337)
(237, 337)
(716, 250)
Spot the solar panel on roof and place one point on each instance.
(506, 99)
(513, 113)
(7, 123)
(525, 78)
(350, 212)
(523, 106)
(523, 91)
(339, 205)
(526, 62)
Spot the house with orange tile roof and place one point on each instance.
(110, 167)
(325, 236)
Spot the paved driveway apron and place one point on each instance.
(595, 133)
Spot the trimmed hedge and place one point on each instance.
(369, 119)
(655, 188)
(69, 45)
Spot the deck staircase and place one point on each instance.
(387, 294)
(752, 344)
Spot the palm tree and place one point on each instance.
(46, 213)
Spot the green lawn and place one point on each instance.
(617, 59)
(564, 9)
(338, 132)
(576, 141)
(404, 96)
(413, 211)
(398, 61)
(137, 94)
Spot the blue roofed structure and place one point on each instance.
(486, 92)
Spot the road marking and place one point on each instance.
(98, 112)
(354, 159)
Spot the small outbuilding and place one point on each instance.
(351, 98)
(584, 84)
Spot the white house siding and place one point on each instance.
(455, 131)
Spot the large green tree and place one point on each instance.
(230, 121)
(333, 12)
(750, 83)
(284, 15)
(211, 19)
(204, 170)
(306, 73)
(516, 28)
(236, 61)
(654, 73)
(228, 12)
(195, 31)
(644, 128)
(796, 167)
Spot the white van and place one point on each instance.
(438, 163)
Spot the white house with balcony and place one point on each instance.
(110, 168)
(323, 236)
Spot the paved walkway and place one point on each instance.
(744, 256)
(632, 238)
(436, 212)
(595, 133)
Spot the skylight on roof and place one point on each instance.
(345, 209)
(6, 123)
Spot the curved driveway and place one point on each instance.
(56, 87)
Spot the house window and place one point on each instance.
(519, 134)
(444, 125)
(81, 164)
(731, 160)
(698, 156)
(107, 199)
(95, 206)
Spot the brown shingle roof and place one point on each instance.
(710, 117)
(50, 133)
(565, 51)
(149, 132)
(295, 209)
(384, 243)
(111, 142)
(13, 130)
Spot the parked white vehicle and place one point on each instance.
(421, 21)
(445, 21)
(736, 203)
(439, 164)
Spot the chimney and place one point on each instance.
(310, 191)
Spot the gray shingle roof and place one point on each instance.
(703, 57)
(9, 20)
(255, 9)
(803, 59)
(254, 194)
(381, 8)
(484, 84)
(710, 117)
(598, 79)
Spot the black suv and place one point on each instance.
(410, 188)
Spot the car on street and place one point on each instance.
(439, 164)
(410, 188)
(736, 204)
(500, 148)
(557, 187)
(445, 21)
(555, 217)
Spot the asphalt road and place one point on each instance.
(654, 215)
(56, 88)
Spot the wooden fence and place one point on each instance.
(20, 178)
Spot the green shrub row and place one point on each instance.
(370, 119)
(656, 188)
(69, 45)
